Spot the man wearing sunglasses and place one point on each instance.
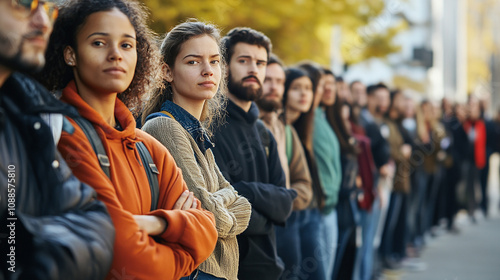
(51, 225)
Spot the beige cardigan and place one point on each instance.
(277, 128)
(203, 178)
(296, 170)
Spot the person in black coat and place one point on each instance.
(491, 143)
(457, 144)
(247, 155)
(52, 226)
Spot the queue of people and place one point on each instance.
(205, 157)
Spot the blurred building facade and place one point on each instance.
(432, 62)
(494, 64)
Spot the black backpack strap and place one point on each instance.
(264, 135)
(151, 171)
(96, 143)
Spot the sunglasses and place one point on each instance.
(29, 7)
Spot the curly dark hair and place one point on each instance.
(72, 16)
(245, 35)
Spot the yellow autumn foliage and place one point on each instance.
(299, 29)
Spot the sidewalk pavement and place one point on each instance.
(473, 254)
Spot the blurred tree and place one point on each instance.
(482, 24)
(299, 29)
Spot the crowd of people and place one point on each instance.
(205, 157)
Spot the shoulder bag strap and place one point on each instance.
(96, 143)
(152, 173)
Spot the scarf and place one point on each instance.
(479, 142)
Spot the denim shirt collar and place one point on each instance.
(189, 123)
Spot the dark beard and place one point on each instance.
(268, 105)
(244, 93)
(15, 62)
(379, 110)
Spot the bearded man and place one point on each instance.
(246, 153)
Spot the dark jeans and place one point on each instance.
(470, 191)
(348, 218)
(394, 238)
(484, 187)
(346, 254)
(433, 190)
(416, 207)
(451, 180)
(288, 243)
(300, 244)
(363, 269)
(440, 204)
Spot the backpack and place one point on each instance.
(147, 161)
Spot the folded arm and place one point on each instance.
(188, 240)
(231, 211)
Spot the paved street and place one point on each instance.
(474, 254)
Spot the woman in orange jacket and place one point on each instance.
(104, 58)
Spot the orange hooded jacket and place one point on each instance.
(190, 236)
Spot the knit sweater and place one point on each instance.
(327, 153)
(203, 178)
(190, 236)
